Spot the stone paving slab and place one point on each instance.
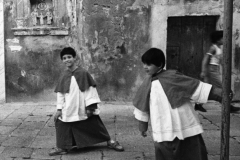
(15, 152)
(5, 130)
(44, 142)
(24, 141)
(11, 122)
(43, 154)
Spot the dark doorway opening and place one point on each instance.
(187, 42)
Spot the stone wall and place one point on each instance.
(109, 36)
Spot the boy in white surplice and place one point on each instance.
(77, 118)
(165, 98)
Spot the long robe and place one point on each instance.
(88, 131)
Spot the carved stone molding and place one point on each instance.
(54, 31)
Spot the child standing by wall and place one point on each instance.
(77, 118)
(165, 98)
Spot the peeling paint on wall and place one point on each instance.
(116, 32)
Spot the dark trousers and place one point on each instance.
(81, 133)
(191, 148)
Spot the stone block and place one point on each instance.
(11, 122)
(43, 154)
(6, 129)
(19, 132)
(214, 117)
(211, 134)
(2, 116)
(25, 141)
(214, 144)
(91, 155)
(123, 156)
(15, 115)
(15, 152)
(48, 131)
(137, 143)
(37, 119)
(51, 122)
(44, 110)
(26, 109)
(3, 138)
(32, 125)
(1, 149)
(44, 142)
(210, 126)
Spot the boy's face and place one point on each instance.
(68, 60)
(150, 68)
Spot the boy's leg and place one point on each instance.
(192, 148)
(166, 150)
(60, 149)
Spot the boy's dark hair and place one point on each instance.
(67, 50)
(216, 36)
(154, 56)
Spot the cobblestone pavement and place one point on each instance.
(27, 132)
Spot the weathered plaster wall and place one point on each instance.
(109, 36)
(32, 62)
(115, 34)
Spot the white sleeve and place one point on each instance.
(91, 96)
(202, 92)
(60, 100)
(141, 116)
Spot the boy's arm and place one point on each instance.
(206, 92)
(60, 104)
(206, 60)
(91, 99)
(143, 119)
(91, 96)
(215, 94)
(60, 100)
(143, 127)
(205, 63)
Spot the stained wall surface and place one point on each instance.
(109, 36)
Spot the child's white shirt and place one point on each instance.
(74, 103)
(168, 123)
(216, 58)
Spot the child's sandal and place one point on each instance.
(115, 145)
(57, 151)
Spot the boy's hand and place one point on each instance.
(144, 134)
(89, 112)
(57, 115)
